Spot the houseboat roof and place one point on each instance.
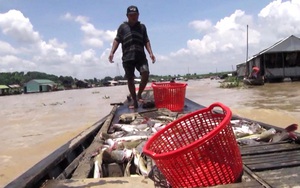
(14, 86)
(289, 44)
(42, 81)
(4, 87)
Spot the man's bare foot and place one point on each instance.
(140, 99)
(134, 105)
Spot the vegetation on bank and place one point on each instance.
(231, 82)
(20, 78)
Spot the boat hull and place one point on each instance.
(58, 168)
(258, 82)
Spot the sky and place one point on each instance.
(74, 37)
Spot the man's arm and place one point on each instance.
(114, 47)
(148, 47)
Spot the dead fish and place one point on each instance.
(247, 126)
(146, 132)
(160, 127)
(140, 147)
(157, 126)
(118, 156)
(167, 112)
(140, 163)
(241, 131)
(287, 133)
(150, 123)
(113, 145)
(256, 128)
(291, 128)
(154, 130)
(248, 142)
(132, 137)
(130, 128)
(129, 144)
(154, 120)
(235, 122)
(125, 127)
(180, 115)
(97, 164)
(121, 144)
(127, 168)
(149, 164)
(127, 118)
(139, 120)
(240, 134)
(253, 126)
(165, 118)
(266, 135)
(117, 134)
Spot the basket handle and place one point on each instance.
(225, 109)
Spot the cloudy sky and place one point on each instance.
(74, 37)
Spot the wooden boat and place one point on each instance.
(252, 81)
(264, 165)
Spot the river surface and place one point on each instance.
(273, 103)
(32, 126)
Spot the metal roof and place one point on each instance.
(4, 87)
(14, 86)
(289, 44)
(42, 81)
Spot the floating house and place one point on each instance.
(10, 89)
(241, 70)
(82, 84)
(4, 90)
(15, 89)
(279, 61)
(39, 85)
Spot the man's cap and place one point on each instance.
(132, 10)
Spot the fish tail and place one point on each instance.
(291, 128)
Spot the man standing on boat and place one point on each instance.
(254, 72)
(133, 37)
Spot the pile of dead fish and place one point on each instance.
(124, 146)
(252, 133)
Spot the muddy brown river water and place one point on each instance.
(34, 125)
(273, 103)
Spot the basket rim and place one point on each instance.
(170, 84)
(227, 117)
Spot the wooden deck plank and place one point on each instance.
(239, 185)
(121, 182)
(271, 155)
(273, 165)
(271, 148)
(282, 177)
(283, 156)
(278, 159)
(132, 182)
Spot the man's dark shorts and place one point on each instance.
(139, 65)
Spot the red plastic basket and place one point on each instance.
(169, 95)
(198, 149)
